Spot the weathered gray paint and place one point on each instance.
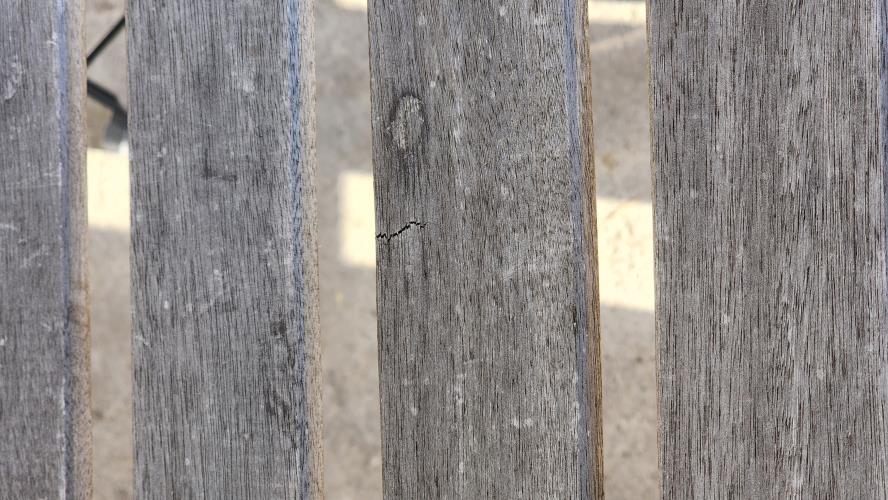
(44, 337)
(225, 318)
(487, 284)
(769, 165)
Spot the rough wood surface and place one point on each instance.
(44, 339)
(487, 285)
(769, 161)
(224, 276)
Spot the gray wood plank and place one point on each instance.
(769, 162)
(44, 336)
(487, 279)
(224, 252)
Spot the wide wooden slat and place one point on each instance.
(224, 259)
(769, 159)
(44, 339)
(487, 285)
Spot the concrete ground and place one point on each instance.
(348, 294)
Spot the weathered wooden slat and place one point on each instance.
(769, 158)
(487, 285)
(44, 336)
(224, 257)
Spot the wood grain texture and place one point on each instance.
(224, 252)
(769, 162)
(44, 332)
(487, 284)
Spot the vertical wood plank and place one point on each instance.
(44, 337)
(768, 135)
(487, 284)
(224, 253)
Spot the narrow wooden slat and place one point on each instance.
(44, 336)
(487, 284)
(224, 259)
(769, 157)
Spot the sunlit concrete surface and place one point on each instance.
(616, 12)
(360, 5)
(357, 234)
(107, 190)
(109, 287)
(346, 246)
(626, 254)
